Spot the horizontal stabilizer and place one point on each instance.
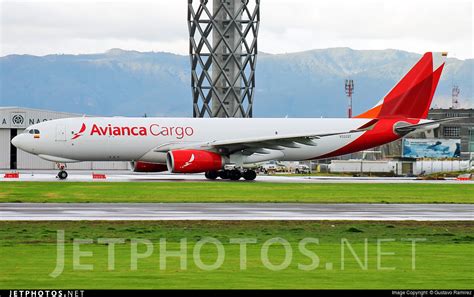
(405, 129)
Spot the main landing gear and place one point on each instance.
(62, 174)
(233, 174)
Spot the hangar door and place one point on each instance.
(4, 148)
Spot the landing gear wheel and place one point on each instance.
(235, 174)
(250, 175)
(62, 175)
(224, 174)
(212, 175)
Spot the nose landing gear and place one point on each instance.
(62, 174)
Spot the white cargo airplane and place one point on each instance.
(226, 147)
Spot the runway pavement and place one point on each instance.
(230, 211)
(127, 176)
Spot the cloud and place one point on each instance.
(446, 102)
(85, 26)
(418, 25)
(76, 27)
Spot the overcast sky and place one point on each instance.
(87, 26)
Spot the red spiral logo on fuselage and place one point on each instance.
(79, 134)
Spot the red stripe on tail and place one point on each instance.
(412, 96)
(436, 77)
(419, 72)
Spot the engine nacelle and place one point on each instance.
(193, 161)
(148, 167)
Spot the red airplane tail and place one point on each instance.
(412, 96)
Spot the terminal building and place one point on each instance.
(457, 134)
(13, 120)
(462, 129)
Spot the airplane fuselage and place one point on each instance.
(140, 139)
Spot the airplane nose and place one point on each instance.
(16, 141)
(20, 142)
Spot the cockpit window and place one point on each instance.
(37, 131)
(33, 131)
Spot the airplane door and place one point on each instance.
(60, 133)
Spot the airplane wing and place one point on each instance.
(261, 145)
(254, 145)
(405, 129)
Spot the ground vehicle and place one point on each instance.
(272, 167)
(302, 169)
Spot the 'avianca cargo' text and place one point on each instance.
(179, 132)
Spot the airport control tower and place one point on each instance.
(223, 51)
